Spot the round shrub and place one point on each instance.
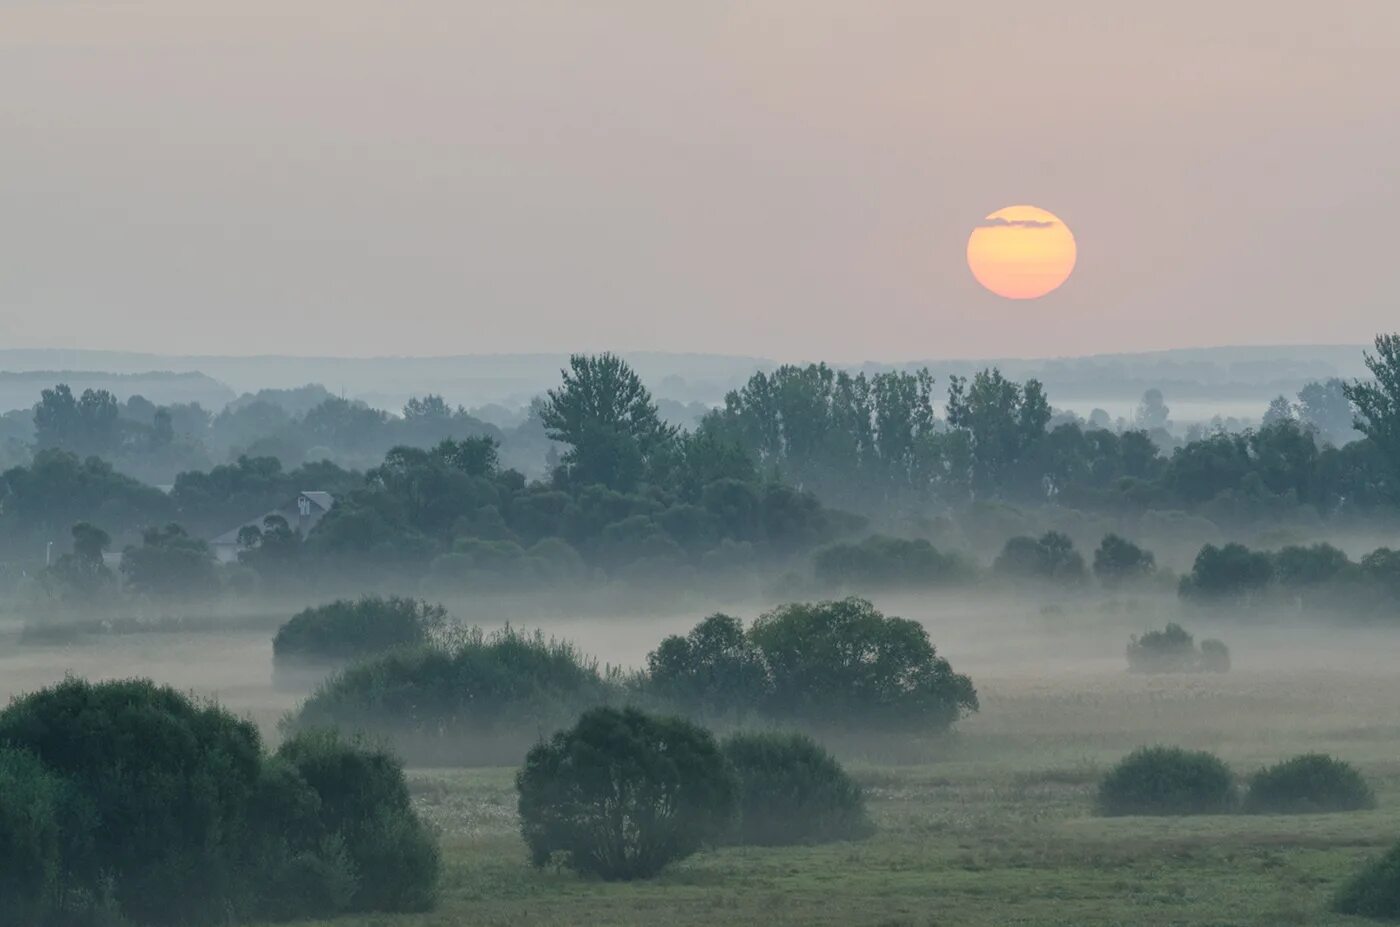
(349, 629)
(31, 864)
(844, 663)
(484, 701)
(1311, 783)
(1167, 781)
(168, 782)
(1375, 890)
(792, 791)
(362, 812)
(1171, 650)
(622, 794)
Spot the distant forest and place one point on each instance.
(596, 479)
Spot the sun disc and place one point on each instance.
(1021, 252)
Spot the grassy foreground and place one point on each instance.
(965, 844)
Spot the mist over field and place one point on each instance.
(787, 462)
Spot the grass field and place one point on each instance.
(999, 832)
(992, 826)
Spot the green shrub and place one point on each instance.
(31, 861)
(1313, 782)
(622, 794)
(349, 629)
(1051, 558)
(363, 811)
(1118, 561)
(168, 781)
(885, 562)
(714, 672)
(846, 664)
(1375, 890)
(1167, 781)
(791, 791)
(484, 701)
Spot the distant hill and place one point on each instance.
(1245, 376)
(21, 389)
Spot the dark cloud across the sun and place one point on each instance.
(996, 222)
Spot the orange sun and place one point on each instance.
(1021, 252)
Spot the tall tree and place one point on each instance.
(606, 416)
(1377, 401)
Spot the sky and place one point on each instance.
(789, 178)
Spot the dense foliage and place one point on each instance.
(1317, 576)
(1312, 782)
(622, 794)
(1375, 890)
(845, 664)
(792, 791)
(481, 701)
(1167, 781)
(881, 562)
(1050, 558)
(712, 673)
(348, 629)
(1118, 561)
(141, 803)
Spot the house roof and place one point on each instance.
(321, 501)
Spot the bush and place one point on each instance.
(1375, 890)
(484, 701)
(1118, 561)
(844, 663)
(1051, 558)
(714, 672)
(1215, 656)
(622, 794)
(31, 864)
(168, 781)
(349, 629)
(125, 802)
(1311, 783)
(1167, 781)
(791, 791)
(886, 562)
(1173, 650)
(1232, 572)
(363, 810)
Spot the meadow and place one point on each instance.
(993, 825)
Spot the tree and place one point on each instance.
(712, 672)
(1152, 412)
(81, 575)
(169, 563)
(1119, 560)
(1050, 557)
(1003, 421)
(622, 794)
(1280, 410)
(1324, 407)
(608, 420)
(844, 663)
(1377, 401)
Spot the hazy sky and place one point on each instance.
(791, 178)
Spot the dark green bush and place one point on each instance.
(168, 781)
(792, 791)
(622, 794)
(1215, 656)
(124, 802)
(1310, 783)
(885, 562)
(363, 812)
(846, 664)
(31, 861)
(349, 629)
(484, 701)
(1167, 781)
(714, 672)
(1375, 890)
